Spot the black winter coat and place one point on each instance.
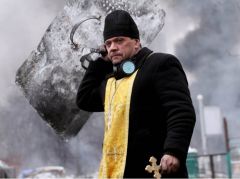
(162, 116)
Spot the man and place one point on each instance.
(146, 102)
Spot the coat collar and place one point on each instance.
(138, 59)
(141, 56)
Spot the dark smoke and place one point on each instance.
(209, 53)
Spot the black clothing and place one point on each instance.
(120, 23)
(162, 116)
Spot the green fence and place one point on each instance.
(192, 165)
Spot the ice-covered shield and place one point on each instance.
(50, 76)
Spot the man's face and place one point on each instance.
(121, 48)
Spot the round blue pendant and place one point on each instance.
(128, 67)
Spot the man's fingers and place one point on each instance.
(163, 166)
(169, 164)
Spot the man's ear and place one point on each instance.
(137, 43)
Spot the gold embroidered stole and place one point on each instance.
(117, 105)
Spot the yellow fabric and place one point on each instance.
(117, 105)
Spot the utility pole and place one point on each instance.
(202, 122)
(203, 132)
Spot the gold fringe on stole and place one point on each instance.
(116, 111)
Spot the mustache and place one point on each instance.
(115, 54)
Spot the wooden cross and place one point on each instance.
(153, 168)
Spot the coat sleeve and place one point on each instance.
(91, 90)
(174, 97)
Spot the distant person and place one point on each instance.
(146, 102)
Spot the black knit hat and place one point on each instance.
(120, 23)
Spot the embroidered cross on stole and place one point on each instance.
(116, 110)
